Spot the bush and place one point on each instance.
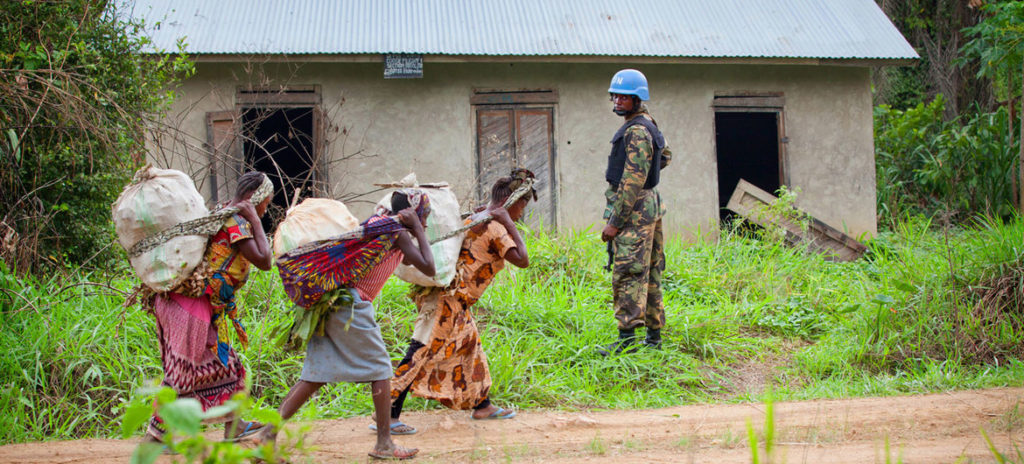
(77, 94)
(960, 169)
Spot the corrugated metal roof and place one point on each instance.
(839, 29)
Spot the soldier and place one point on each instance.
(633, 213)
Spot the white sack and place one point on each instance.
(444, 217)
(312, 220)
(164, 198)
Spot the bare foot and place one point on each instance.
(393, 452)
(267, 435)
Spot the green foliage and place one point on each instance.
(934, 28)
(183, 419)
(898, 320)
(997, 41)
(769, 435)
(906, 86)
(78, 94)
(959, 168)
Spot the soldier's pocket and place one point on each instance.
(629, 253)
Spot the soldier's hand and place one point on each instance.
(609, 232)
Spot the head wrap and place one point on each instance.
(264, 191)
(519, 177)
(418, 200)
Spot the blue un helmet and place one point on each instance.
(630, 82)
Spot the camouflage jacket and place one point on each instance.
(630, 204)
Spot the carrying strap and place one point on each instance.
(523, 189)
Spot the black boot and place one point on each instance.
(653, 339)
(625, 344)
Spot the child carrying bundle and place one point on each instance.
(349, 271)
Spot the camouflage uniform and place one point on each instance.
(639, 254)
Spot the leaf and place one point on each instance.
(304, 327)
(267, 416)
(12, 138)
(905, 287)
(220, 411)
(849, 308)
(883, 300)
(183, 415)
(138, 412)
(166, 395)
(147, 453)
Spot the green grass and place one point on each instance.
(903, 319)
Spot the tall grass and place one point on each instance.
(908, 317)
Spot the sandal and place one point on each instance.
(409, 430)
(500, 413)
(251, 428)
(397, 453)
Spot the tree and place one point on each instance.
(76, 96)
(934, 29)
(997, 43)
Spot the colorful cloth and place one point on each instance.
(229, 270)
(187, 335)
(373, 282)
(310, 271)
(451, 366)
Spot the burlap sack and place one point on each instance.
(313, 219)
(156, 200)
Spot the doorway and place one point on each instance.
(278, 131)
(279, 142)
(748, 145)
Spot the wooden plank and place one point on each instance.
(751, 202)
(749, 101)
(225, 151)
(494, 148)
(512, 98)
(297, 95)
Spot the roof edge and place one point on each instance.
(429, 58)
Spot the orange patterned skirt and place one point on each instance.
(451, 367)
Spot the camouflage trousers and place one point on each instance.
(636, 276)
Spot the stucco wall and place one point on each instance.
(426, 125)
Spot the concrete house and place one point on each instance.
(335, 95)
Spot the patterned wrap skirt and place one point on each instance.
(451, 366)
(188, 343)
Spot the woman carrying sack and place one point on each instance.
(192, 321)
(445, 360)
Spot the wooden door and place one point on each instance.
(225, 152)
(518, 136)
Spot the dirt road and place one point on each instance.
(935, 428)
